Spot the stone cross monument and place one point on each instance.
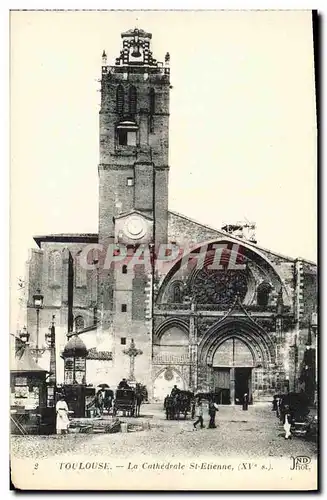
(132, 352)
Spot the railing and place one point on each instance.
(173, 307)
(218, 307)
(170, 359)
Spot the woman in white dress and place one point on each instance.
(62, 422)
(287, 425)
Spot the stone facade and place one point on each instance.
(231, 329)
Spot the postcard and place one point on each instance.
(164, 321)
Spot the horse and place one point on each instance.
(108, 399)
(180, 403)
(140, 396)
(169, 407)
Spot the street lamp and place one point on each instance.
(38, 304)
(314, 327)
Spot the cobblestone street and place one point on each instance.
(253, 433)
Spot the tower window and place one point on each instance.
(132, 101)
(120, 99)
(123, 340)
(126, 137)
(130, 181)
(124, 308)
(124, 269)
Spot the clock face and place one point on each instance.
(213, 286)
(135, 227)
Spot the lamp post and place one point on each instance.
(314, 328)
(296, 359)
(38, 304)
(50, 338)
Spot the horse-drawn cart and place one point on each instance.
(125, 402)
(178, 404)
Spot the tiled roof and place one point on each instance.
(99, 355)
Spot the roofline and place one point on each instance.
(67, 238)
(131, 212)
(240, 240)
(94, 238)
(85, 330)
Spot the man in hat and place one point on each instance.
(123, 384)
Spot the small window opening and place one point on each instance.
(126, 137)
(124, 308)
(124, 269)
(177, 296)
(263, 294)
(130, 181)
(123, 340)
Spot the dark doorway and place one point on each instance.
(242, 384)
(222, 385)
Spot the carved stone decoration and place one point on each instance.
(169, 374)
(203, 325)
(267, 324)
(213, 286)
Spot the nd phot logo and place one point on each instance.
(301, 462)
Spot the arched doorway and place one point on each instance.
(232, 365)
(165, 381)
(235, 355)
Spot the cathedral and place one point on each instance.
(212, 312)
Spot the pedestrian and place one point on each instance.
(287, 424)
(174, 391)
(99, 401)
(123, 384)
(245, 402)
(213, 408)
(274, 403)
(62, 421)
(193, 408)
(198, 414)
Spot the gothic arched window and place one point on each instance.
(80, 273)
(79, 323)
(120, 100)
(177, 293)
(55, 263)
(263, 293)
(132, 101)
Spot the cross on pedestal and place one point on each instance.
(132, 352)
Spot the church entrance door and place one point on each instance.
(242, 384)
(222, 385)
(232, 369)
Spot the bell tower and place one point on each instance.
(133, 192)
(133, 169)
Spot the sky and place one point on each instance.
(242, 124)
